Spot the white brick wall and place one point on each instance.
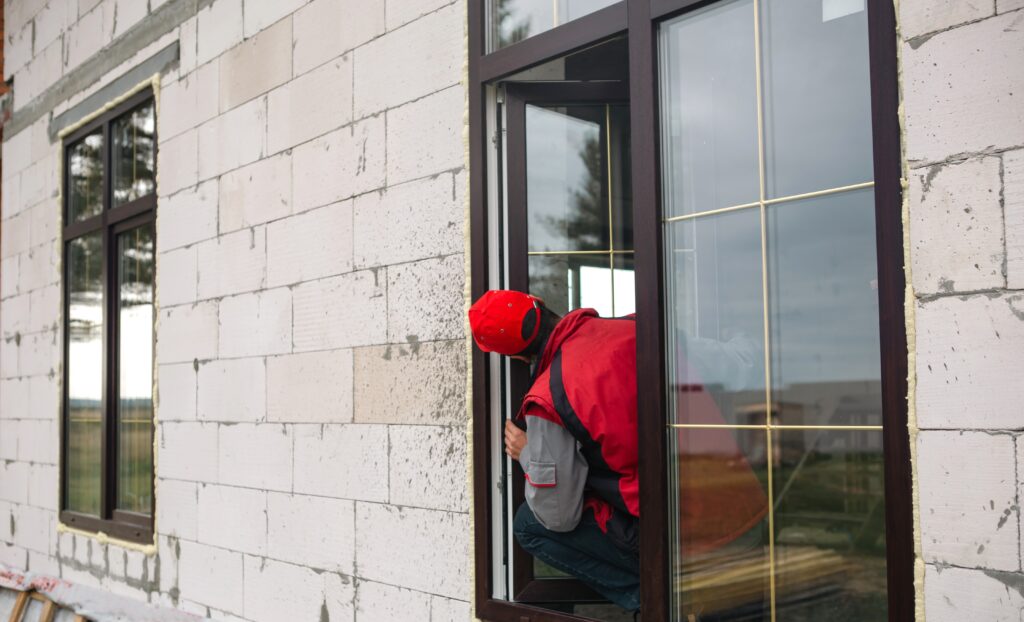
(969, 516)
(974, 68)
(309, 332)
(956, 223)
(964, 132)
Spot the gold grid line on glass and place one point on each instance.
(597, 252)
(610, 251)
(785, 199)
(611, 217)
(761, 204)
(764, 304)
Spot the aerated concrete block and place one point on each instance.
(417, 383)
(314, 387)
(310, 245)
(411, 221)
(232, 390)
(395, 544)
(918, 17)
(956, 227)
(974, 67)
(347, 461)
(257, 65)
(957, 594)
(969, 512)
(967, 351)
(417, 60)
(310, 105)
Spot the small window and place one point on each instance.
(109, 270)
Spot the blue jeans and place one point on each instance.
(586, 553)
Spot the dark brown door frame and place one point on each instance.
(641, 24)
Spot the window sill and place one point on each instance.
(134, 537)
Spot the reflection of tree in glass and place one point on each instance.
(86, 167)
(586, 224)
(508, 30)
(137, 267)
(134, 155)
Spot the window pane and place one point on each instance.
(829, 526)
(824, 311)
(567, 282)
(135, 365)
(709, 116)
(84, 373)
(718, 480)
(134, 159)
(515, 20)
(716, 319)
(817, 95)
(85, 177)
(567, 178)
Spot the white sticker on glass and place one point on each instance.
(834, 9)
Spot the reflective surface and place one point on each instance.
(817, 95)
(719, 532)
(579, 207)
(800, 273)
(829, 526)
(84, 373)
(134, 157)
(822, 280)
(85, 177)
(709, 133)
(514, 20)
(135, 366)
(716, 321)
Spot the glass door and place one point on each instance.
(569, 210)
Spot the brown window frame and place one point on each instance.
(111, 221)
(639, 20)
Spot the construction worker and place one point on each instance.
(579, 453)
(580, 449)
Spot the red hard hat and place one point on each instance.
(496, 320)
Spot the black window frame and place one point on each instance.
(639, 20)
(110, 222)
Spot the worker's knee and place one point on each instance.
(526, 527)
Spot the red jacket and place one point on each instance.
(585, 381)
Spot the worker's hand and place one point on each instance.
(515, 440)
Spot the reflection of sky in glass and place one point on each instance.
(557, 174)
(822, 289)
(709, 124)
(817, 98)
(518, 19)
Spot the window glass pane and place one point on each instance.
(824, 484)
(515, 20)
(716, 319)
(135, 366)
(567, 178)
(84, 373)
(567, 282)
(817, 95)
(709, 122)
(718, 479)
(824, 311)
(85, 177)
(829, 526)
(134, 160)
